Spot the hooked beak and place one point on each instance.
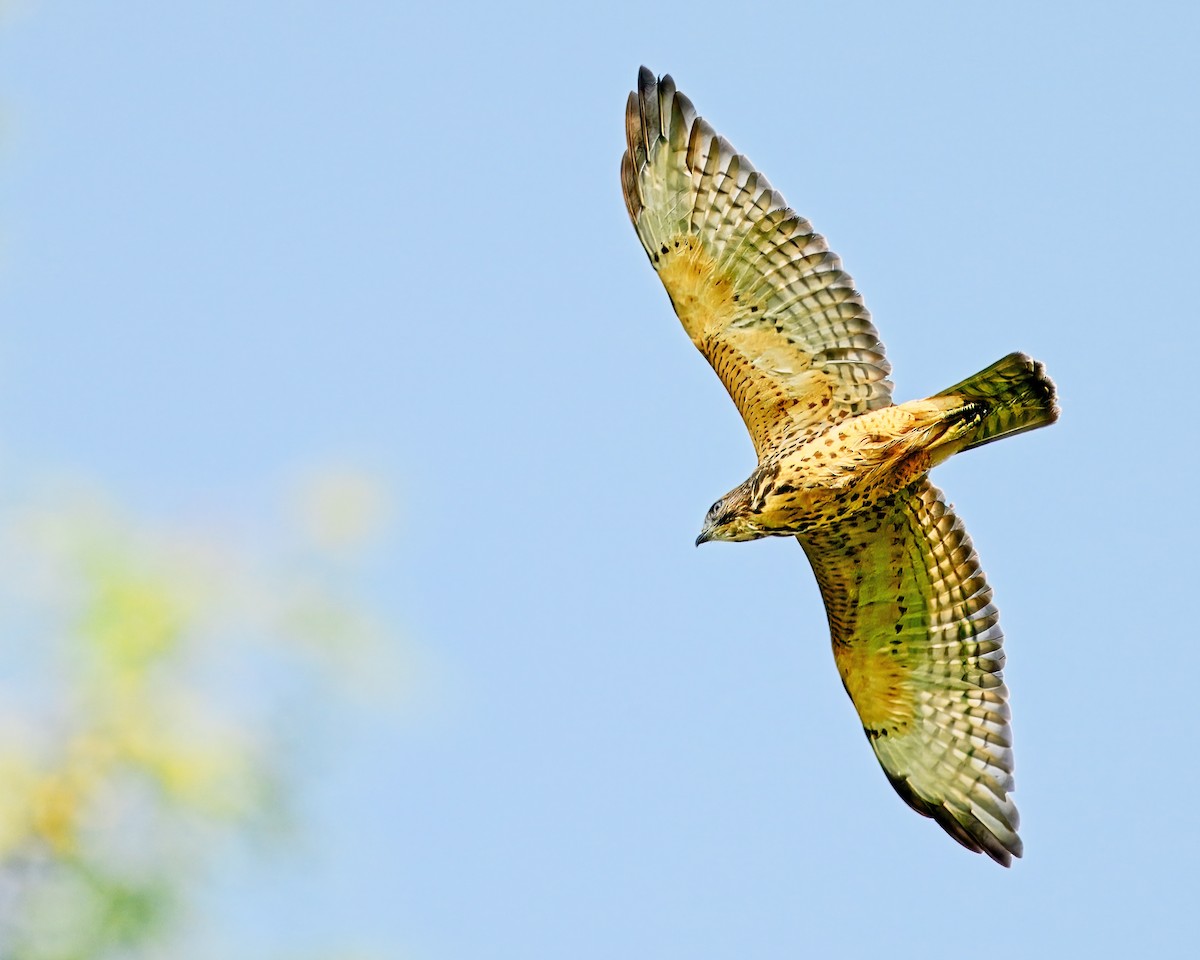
(705, 536)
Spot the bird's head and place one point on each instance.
(730, 519)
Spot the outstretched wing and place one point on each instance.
(758, 291)
(918, 644)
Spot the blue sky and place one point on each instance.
(240, 239)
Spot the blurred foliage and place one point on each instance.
(154, 684)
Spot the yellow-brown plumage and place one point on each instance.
(915, 635)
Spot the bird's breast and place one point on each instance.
(848, 468)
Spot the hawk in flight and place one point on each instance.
(840, 467)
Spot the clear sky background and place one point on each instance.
(241, 238)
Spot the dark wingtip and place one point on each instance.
(971, 833)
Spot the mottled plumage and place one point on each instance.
(915, 634)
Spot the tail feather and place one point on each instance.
(1015, 395)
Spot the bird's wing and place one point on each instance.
(759, 293)
(918, 644)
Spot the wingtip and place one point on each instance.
(998, 840)
(647, 88)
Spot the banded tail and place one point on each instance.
(1015, 394)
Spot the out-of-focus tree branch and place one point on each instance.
(147, 678)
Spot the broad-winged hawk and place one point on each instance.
(915, 635)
